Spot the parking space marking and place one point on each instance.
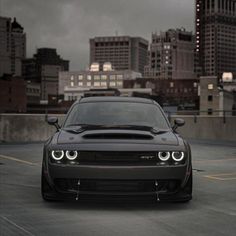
(220, 160)
(17, 226)
(224, 176)
(17, 160)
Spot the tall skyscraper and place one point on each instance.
(12, 46)
(216, 36)
(123, 52)
(171, 55)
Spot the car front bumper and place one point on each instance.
(73, 181)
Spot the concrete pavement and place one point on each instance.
(211, 212)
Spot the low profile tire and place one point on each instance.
(187, 190)
(46, 191)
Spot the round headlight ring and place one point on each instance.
(178, 159)
(164, 157)
(71, 155)
(57, 154)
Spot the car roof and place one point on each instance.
(115, 99)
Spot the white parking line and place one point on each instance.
(17, 226)
(220, 160)
(18, 160)
(223, 176)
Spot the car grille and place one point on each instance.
(116, 186)
(117, 158)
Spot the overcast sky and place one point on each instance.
(68, 24)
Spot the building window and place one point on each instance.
(104, 84)
(72, 84)
(119, 83)
(210, 111)
(103, 77)
(80, 83)
(88, 84)
(97, 84)
(89, 77)
(96, 77)
(195, 85)
(112, 77)
(210, 98)
(72, 78)
(112, 84)
(171, 84)
(210, 86)
(80, 77)
(120, 77)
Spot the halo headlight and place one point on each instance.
(163, 156)
(57, 154)
(178, 156)
(71, 155)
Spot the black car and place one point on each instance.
(116, 146)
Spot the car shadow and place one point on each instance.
(118, 205)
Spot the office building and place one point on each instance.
(12, 46)
(124, 52)
(73, 84)
(216, 36)
(171, 55)
(215, 98)
(44, 69)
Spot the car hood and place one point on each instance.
(117, 136)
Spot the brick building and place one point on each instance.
(182, 93)
(12, 94)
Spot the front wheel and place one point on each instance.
(47, 192)
(187, 190)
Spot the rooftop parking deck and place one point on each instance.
(211, 212)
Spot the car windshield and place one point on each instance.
(117, 114)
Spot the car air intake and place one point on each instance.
(118, 136)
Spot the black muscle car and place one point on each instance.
(117, 146)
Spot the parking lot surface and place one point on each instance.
(211, 212)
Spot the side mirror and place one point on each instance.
(178, 122)
(53, 121)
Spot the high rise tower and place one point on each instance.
(216, 36)
(12, 46)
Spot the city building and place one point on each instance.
(214, 98)
(171, 55)
(12, 46)
(216, 36)
(44, 69)
(12, 94)
(182, 94)
(33, 93)
(73, 84)
(124, 52)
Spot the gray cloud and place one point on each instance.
(68, 24)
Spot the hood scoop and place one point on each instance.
(118, 136)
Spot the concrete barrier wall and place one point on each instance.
(208, 127)
(31, 127)
(25, 127)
